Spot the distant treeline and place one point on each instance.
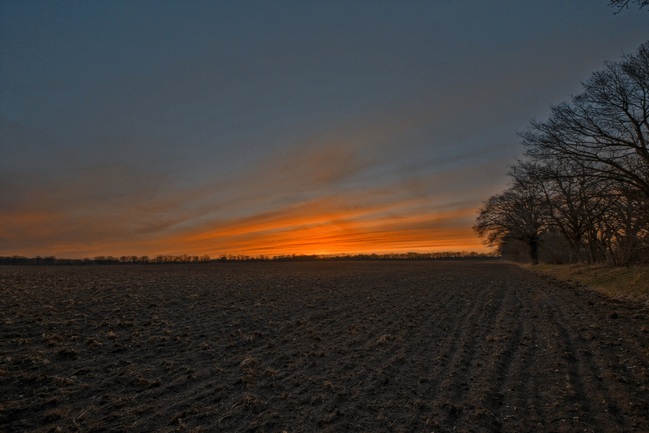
(581, 193)
(166, 259)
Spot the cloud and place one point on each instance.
(422, 233)
(368, 220)
(310, 198)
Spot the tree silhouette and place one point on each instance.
(605, 129)
(585, 180)
(520, 213)
(622, 4)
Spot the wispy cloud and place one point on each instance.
(336, 127)
(339, 192)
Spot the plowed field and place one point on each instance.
(317, 347)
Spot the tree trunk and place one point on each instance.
(533, 242)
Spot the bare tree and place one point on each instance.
(576, 201)
(606, 128)
(624, 229)
(585, 181)
(519, 213)
(622, 4)
(591, 159)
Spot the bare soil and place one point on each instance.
(317, 347)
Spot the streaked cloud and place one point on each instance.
(280, 128)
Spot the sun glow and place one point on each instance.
(323, 226)
(347, 232)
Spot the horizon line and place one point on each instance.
(206, 258)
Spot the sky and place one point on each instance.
(277, 127)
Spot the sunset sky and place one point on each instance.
(277, 127)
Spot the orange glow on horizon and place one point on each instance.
(323, 226)
(352, 231)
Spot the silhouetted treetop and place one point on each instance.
(624, 4)
(582, 192)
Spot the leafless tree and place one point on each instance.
(624, 229)
(591, 159)
(519, 213)
(623, 4)
(575, 200)
(584, 182)
(606, 128)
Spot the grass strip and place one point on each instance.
(618, 282)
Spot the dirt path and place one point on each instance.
(317, 347)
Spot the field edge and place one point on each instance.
(630, 283)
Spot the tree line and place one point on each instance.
(580, 194)
(103, 260)
(166, 259)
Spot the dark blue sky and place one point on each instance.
(200, 127)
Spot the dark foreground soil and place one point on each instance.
(317, 347)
